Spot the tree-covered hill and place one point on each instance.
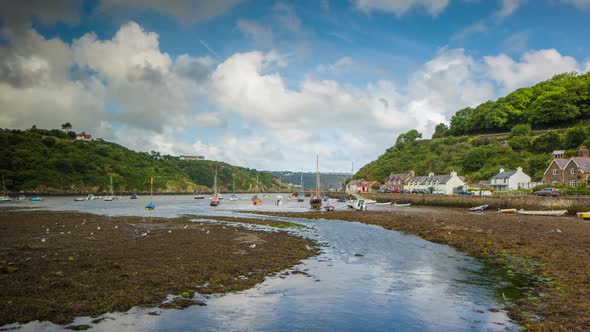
(54, 161)
(562, 101)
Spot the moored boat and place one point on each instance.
(133, 196)
(507, 210)
(583, 215)
(402, 204)
(79, 199)
(21, 198)
(214, 199)
(36, 199)
(199, 196)
(543, 213)
(150, 206)
(386, 203)
(316, 202)
(278, 200)
(5, 199)
(479, 208)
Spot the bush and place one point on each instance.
(521, 130)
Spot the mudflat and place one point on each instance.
(59, 265)
(554, 250)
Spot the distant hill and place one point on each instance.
(54, 161)
(327, 180)
(498, 134)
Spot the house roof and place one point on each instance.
(441, 179)
(559, 152)
(561, 162)
(583, 163)
(368, 183)
(400, 176)
(354, 182)
(503, 175)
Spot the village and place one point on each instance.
(561, 171)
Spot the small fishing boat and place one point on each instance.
(233, 196)
(21, 198)
(402, 205)
(197, 196)
(329, 207)
(342, 200)
(36, 199)
(256, 200)
(507, 210)
(79, 199)
(90, 197)
(386, 203)
(325, 198)
(583, 215)
(479, 208)
(316, 202)
(278, 200)
(150, 206)
(133, 196)
(108, 198)
(111, 197)
(543, 213)
(4, 199)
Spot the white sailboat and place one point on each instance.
(301, 195)
(233, 196)
(151, 205)
(111, 197)
(316, 202)
(214, 199)
(256, 200)
(4, 198)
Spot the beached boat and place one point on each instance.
(36, 199)
(402, 205)
(256, 200)
(21, 197)
(329, 207)
(479, 208)
(316, 202)
(278, 200)
(370, 201)
(342, 199)
(111, 197)
(507, 210)
(197, 196)
(79, 199)
(386, 203)
(233, 196)
(358, 205)
(150, 206)
(301, 194)
(543, 213)
(134, 196)
(214, 199)
(583, 215)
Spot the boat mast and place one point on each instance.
(215, 182)
(301, 183)
(111, 185)
(280, 182)
(3, 186)
(234, 184)
(317, 175)
(257, 189)
(151, 188)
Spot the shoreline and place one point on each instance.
(60, 265)
(552, 252)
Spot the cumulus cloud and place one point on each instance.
(340, 64)
(186, 11)
(402, 7)
(534, 66)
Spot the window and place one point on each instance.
(554, 172)
(573, 183)
(572, 171)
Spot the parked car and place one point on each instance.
(383, 191)
(404, 191)
(547, 192)
(464, 192)
(438, 192)
(395, 191)
(419, 191)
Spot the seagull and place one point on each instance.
(98, 228)
(91, 233)
(69, 232)
(61, 233)
(47, 230)
(116, 227)
(185, 226)
(143, 234)
(169, 231)
(253, 246)
(207, 232)
(42, 240)
(558, 230)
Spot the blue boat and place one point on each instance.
(150, 206)
(342, 200)
(21, 198)
(36, 199)
(5, 199)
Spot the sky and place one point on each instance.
(271, 84)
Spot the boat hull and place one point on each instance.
(543, 213)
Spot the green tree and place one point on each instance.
(408, 137)
(66, 126)
(521, 130)
(574, 137)
(547, 142)
(441, 130)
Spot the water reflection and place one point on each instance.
(367, 278)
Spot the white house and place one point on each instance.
(445, 183)
(510, 180)
(353, 186)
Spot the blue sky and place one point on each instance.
(270, 84)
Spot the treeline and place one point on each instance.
(477, 158)
(54, 161)
(561, 101)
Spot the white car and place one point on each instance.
(438, 192)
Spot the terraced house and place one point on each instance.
(574, 171)
(398, 180)
(446, 183)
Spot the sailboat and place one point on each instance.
(256, 200)
(316, 202)
(301, 195)
(4, 198)
(214, 199)
(151, 205)
(110, 197)
(233, 196)
(80, 198)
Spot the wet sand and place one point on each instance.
(60, 265)
(555, 250)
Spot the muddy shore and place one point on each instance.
(59, 265)
(552, 251)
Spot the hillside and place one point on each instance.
(500, 134)
(53, 161)
(327, 180)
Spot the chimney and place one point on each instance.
(519, 170)
(412, 174)
(453, 173)
(583, 152)
(501, 171)
(430, 174)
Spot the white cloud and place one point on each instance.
(261, 34)
(508, 7)
(535, 66)
(340, 65)
(402, 7)
(582, 4)
(477, 27)
(186, 11)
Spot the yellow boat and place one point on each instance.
(583, 215)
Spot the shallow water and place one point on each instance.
(367, 278)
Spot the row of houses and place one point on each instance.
(573, 171)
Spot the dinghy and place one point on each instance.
(507, 210)
(479, 208)
(402, 205)
(583, 215)
(36, 199)
(387, 203)
(543, 213)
